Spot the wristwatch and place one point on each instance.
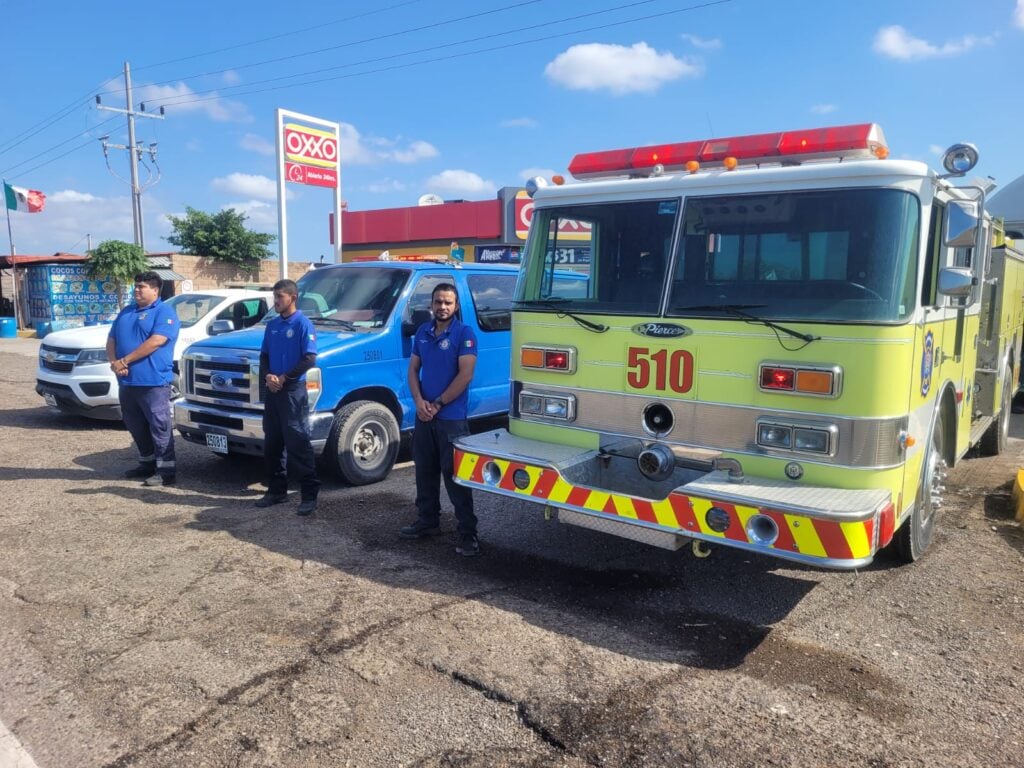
(439, 402)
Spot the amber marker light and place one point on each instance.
(730, 163)
(692, 166)
(814, 382)
(880, 151)
(531, 358)
(558, 179)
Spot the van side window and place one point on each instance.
(492, 299)
(420, 298)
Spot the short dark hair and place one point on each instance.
(287, 286)
(444, 287)
(150, 278)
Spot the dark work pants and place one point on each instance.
(147, 415)
(433, 454)
(286, 429)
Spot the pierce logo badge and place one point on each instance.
(662, 330)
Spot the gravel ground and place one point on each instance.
(185, 627)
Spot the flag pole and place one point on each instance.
(14, 268)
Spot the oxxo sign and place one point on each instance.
(312, 156)
(567, 228)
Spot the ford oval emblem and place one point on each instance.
(662, 330)
(219, 380)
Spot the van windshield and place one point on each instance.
(351, 297)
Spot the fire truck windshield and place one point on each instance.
(836, 255)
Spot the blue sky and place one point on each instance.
(462, 97)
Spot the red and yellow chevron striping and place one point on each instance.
(801, 534)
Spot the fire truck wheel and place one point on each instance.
(915, 534)
(993, 442)
(363, 442)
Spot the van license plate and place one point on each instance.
(217, 443)
(50, 400)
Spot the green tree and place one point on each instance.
(118, 261)
(220, 236)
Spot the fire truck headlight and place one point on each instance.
(812, 440)
(774, 436)
(531, 404)
(556, 407)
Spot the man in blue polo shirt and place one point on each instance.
(440, 369)
(289, 350)
(140, 348)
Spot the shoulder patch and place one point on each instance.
(468, 343)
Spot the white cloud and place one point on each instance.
(356, 149)
(70, 215)
(712, 44)
(386, 185)
(231, 77)
(529, 173)
(256, 143)
(518, 122)
(260, 216)
(1018, 14)
(935, 149)
(458, 183)
(598, 66)
(824, 109)
(896, 43)
(247, 184)
(416, 151)
(179, 99)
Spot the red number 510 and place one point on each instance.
(676, 370)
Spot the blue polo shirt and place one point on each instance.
(132, 326)
(439, 364)
(287, 340)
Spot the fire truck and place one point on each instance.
(777, 342)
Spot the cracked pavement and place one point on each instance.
(185, 627)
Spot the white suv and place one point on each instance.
(74, 375)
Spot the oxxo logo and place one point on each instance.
(310, 146)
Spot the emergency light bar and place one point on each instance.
(838, 142)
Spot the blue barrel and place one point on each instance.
(8, 328)
(42, 329)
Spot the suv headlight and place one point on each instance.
(91, 356)
(314, 387)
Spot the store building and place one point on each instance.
(480, 231)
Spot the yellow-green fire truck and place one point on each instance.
(775, 342)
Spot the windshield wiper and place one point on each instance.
(334, 321)
(556, 303)
(737, 310)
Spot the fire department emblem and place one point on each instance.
(927, 358)
(444, 344)
(289, 333)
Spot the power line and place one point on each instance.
(174, 99)
(178, 101)
(58, 157)
(55, 146)
(57, 116)
(274, 37)
(349, 44)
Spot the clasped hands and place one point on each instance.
(275, 383)
(426, 410)
(120, 367)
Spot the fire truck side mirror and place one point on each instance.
(955, 281)
(961, 230)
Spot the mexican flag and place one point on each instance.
(27, 200)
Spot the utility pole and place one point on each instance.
(135, 152)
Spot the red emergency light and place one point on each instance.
(837, 142)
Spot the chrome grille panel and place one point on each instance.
(227, 377)
(862, 443)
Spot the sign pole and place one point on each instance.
(14, 266)
(282, 221)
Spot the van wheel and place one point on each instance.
(914, 536)
(993, 442)
(363, 442)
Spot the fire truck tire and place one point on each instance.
(914, 536)
(363, 442)
(993, 442)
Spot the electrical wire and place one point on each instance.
(181, 100)
(349, 44)
(58, 157)
(57, 116)
(276, 37)
(224, 89)
(55, 146)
